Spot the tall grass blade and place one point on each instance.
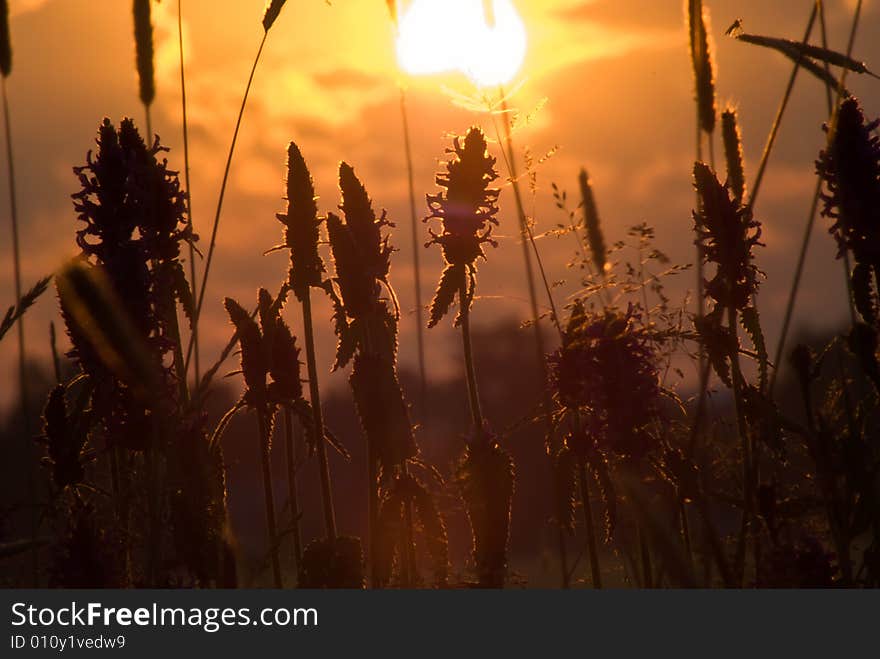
(269, 17)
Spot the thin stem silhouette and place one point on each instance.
(210, 256)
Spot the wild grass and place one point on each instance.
(733, 486)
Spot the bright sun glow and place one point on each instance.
(441, 36)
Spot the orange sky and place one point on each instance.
(614, 74)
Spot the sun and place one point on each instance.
(484, 39)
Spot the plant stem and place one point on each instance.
(470, 371)
(192, 249)
(527, 238)
(217, 214)
(416, 246)
(780, 113)
(318, 419)
(269, 498)
(22, 359)
(747, 449)
(291, 444)
(149, 139)
(592, 547)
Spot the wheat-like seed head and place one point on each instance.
(593, 225)
(701, 58)
(5, 41)
(302, 225)
(733, 152)
(273, 9)
(143, 37)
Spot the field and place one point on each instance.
(460, 294)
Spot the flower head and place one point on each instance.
(302, 225)
(467, 208)
(727, 233)
(850, 169)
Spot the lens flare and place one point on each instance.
(483, 39)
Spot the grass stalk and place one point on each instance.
(271, 527)
(216, 224)
(527, 238)
(291, 442)
(592, 547)
(780, 114)
(417, 249)
(470, 371)
(24, 406)
(192, 250)
(746, 443)
(318, 418)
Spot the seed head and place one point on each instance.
(143, 38)
(467, 207)
(727, 233)
(302, 225)
(850, 169)
(5, 41)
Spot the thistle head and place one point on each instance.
(134, 214)
(467, 206)
(850, 169)
(301, 225)
(727, 233)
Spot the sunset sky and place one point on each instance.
(615, 75)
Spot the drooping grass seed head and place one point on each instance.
(733, 153)
(595, 238)
(727, 233)
(143, 37)
(5, 40)
(467, 206)
(302, 225)
(273, 10)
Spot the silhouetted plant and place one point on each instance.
(850, 169)
(467, 208)
(366, 324)
(271, 370)
(302, 233)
